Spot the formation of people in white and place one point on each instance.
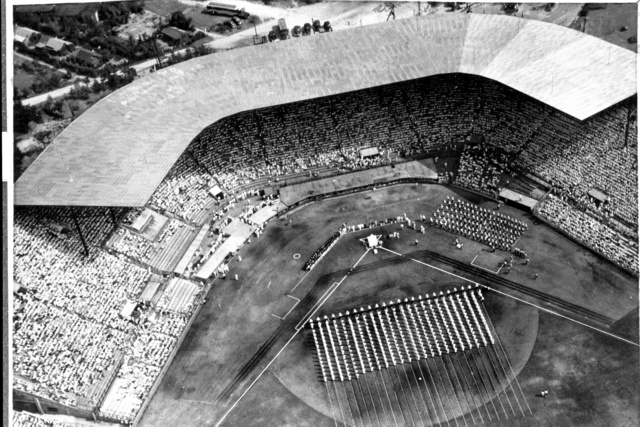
(492, 228)
(520, 134)
(71, 299)
(430, 326)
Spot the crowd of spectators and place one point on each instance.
(575, 157)
(69, 330)
(132, 244)
(322, 250)
(478, 170)
(27, 419)
(518, 134)
(490, 227)
(591, 231)
(185, 190)
(400, 120)
(64, 353)
(97, 224)
(134, 381)
(152, 348)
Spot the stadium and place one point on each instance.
(426, 221)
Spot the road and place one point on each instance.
(28, 58)
(342, 15)
(54, 94)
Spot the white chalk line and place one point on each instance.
(563, 316)
(294, 306)
(519, 299)
(430, 266)
(484, 268)
(304, 277)
(297, 330)
(256, 380)
(327, 294)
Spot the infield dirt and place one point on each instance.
(234, 340)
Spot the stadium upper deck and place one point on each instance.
(118, 152)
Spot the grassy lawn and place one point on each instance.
(606, 24)
(235, 336)
(164, 7)
(27, 74)
(22, 79)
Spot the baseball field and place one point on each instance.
(566, 322)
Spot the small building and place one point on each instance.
(176, 36)
(26, 36)
(216, 192)
(369, 152)
(86, 57)
(598, 196)
(58, 46)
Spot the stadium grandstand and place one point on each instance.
(116, 218)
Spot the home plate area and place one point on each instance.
(422, 361)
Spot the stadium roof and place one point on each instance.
(118, 151)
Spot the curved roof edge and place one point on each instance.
(118, 151)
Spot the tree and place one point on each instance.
(23, 115)
(178, 20)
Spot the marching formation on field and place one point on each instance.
(492, 228)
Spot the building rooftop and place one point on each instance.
(118, 151)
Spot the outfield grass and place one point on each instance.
(235, 337)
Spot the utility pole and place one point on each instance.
(626, 128)
(75, 221)
(155, 49)
(392, 12)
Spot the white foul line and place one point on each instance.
(294, 306)
(294, 288)
(560, 315)
(257, 378)
(430, 266)
(327, 294)
(324, 297)
(486, 269)
(516, 298)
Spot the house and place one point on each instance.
(86, 58)
(26, 36)
(176, 36)
(58, 46)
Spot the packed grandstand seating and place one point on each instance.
(156, 253)
(26, 419)
(591, 231)
(71, 303)
(409, 119)
(490, 227)
(68, 329)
